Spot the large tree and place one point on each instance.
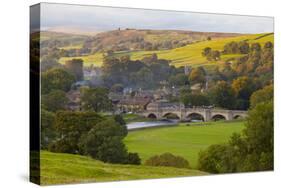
(250, 151)
(48, 132)
(197, 75)
(104, 142)
(222, 95)
(54, 101)
(56, 79)
(263, 95)
(243, 88)
(95, 99)
(70, 126)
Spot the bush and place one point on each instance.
(217, 159)
(133, 158)
(167, 159)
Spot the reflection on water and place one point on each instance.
(139, 125)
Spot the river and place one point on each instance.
(148, 124)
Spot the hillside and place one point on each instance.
(132, 39)
(185, 141)
(190, 54)
(59, 168)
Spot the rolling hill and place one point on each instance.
(190, 54)
(58, 168)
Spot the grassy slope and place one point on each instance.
(67, 168)
(187, 55)
(191, 54)
(182, 140)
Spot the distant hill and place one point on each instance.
(132, 39)
(189, 54)
(58, 168)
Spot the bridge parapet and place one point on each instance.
(183, 113)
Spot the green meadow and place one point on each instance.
(186, 141)
(58, 168)
(182, 140)
(187, 55)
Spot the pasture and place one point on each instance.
(58, 168)
(182, 140)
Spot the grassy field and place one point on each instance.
(182, 140)
(95, 59)
(67, 168)
(187, 55)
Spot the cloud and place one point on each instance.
(108, 18)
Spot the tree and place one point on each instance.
(75, 67)
(48, 62)
(231, 48)
(222, 95)
(123, 128)
(71, 126)
(211, 54)
(178, 80)
(244, 47)
(250, 151)
(259, 128)
(194, 99)
(56, 79)
(268, 45)
(54, 101)
(95, 99)
(144, 77)
(48, 133)
(243, 87)
(215, 55)
(226, 72)
(197, 75)
(216, 159)
(263, 95)
(104, 142)
(255, 47)
(206, 51)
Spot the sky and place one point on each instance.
(109, 18)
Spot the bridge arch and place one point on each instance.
(195, 116)
(152, 116)
(217, 117)
(171, 115)
(238, 117)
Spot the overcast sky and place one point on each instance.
(107, 18)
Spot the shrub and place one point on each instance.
(167, 159)
(133, 158)
(217, 159)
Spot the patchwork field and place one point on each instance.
(57, 168)
(182, 140)
(187, 55)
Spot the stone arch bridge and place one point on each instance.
(183, 114)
